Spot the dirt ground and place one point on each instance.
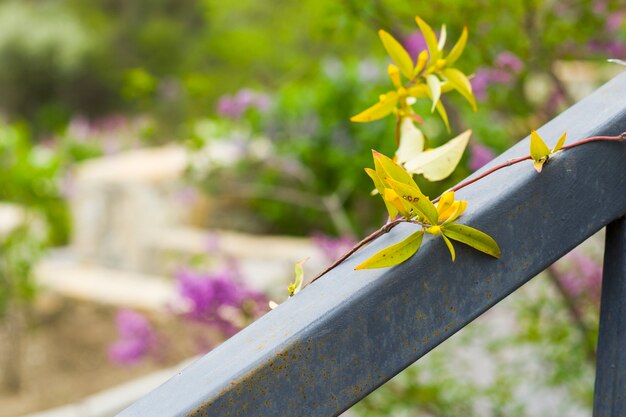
(65, 357)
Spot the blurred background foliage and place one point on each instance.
(318, 62)
(277, 82)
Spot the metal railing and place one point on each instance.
(351, 331)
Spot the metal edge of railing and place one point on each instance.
(350, 331)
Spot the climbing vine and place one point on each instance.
(430, 76)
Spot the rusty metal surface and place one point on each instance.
(351, 331)
(610, 390)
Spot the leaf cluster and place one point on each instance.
(404, 198)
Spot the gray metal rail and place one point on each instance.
(350, 331)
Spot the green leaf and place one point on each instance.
(387, 168)
(430, 38)
(444, 116)
(538, 148)
(559, 143)
(296, 285)
(461, 84)
(398, 54)
(422, 59)
(450, 247)
(416, 199)
(380, 187)
(379, 110)
(394, 254)
(472, 237)
(394, 75)
(539, 151)
(458, 48)
(459, 207)
(434, 85)
(438, 163)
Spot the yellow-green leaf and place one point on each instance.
(387, 168)
(419, 91)
(456, 209)
(411, 140)
(398, 54)
(394, 254)
(434, 85)
(559, 143)
(460, 83)
(438, 163)
(296, 285)
(404, 208)
(458, 48)
(380, 187)
(413, 196)
(422, 60)
(472, 237)
(430, 38)
(394, 75)
(379, 110)
(450, 247)
(445, 202)
(444, 116)
(538, 148)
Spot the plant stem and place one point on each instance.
(528, 157)
(386, 228)
(391, 224)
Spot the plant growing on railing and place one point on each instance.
(430, 77)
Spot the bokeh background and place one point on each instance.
(164, 163)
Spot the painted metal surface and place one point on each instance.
(610, 390)
(351, 331)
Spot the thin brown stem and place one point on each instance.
(528, 157)
(386, 228)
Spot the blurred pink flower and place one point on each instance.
(510, 62)
(136, 338)
(480, 82)
(216, 298)
(332, 247)
(234, 106)
(414, 44)
(614, 21)
(479, 156)
(582, 277)
(507, 67)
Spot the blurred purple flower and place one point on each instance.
(612, 49)
(235, 106)
(509, 61)
(507, 66)
(479, 156)
(614, 21)
(583, 277)
(414, 44)
(136, 338)
(213, 298)
(480, 82)
(600, 7)
(332, 247)
(127, 352)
